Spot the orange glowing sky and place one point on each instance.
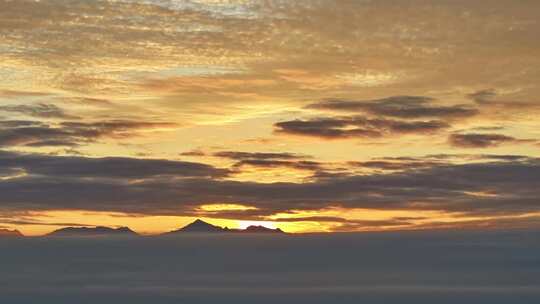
(310, 116)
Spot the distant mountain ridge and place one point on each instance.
(93, 231)
(197, 226)
(261, 229)
(10, 233)
(200, 226)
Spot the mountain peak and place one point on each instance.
(125, 229)
(200, 226)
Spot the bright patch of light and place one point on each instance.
(225, 207)
(368, 78)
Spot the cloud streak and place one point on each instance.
(69, 133)
(41, 110)
(107, 167)
(476, 140)
(405, 107)
(357, 127)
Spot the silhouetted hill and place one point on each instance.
(10, 233)
(261, 229)
(93, 231)
(199, 226)
(204, 227)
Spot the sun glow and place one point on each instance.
(224, 207)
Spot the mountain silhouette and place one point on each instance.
(204, 227)
(10, 233)
(261, 229)
(199, 226)
(93, 231)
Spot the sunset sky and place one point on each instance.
(310, 116)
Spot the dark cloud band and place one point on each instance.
(177, 188)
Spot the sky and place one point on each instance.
(310, 116)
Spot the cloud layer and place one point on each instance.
(504, 187)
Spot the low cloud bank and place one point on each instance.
(408, 267)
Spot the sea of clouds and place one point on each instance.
(405, 267)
